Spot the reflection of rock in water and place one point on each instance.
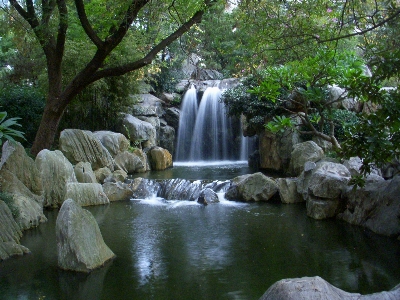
(81, 285)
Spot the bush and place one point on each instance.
(27, 103)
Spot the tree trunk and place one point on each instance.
(48, 127)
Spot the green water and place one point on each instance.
(182, 250)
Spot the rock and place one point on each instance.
(155, 121)
(288, 190)
(143, 158)
(128, 162)
(167, 138)
(172, 116)
(160, 159)
(182, 86)
(56, 171)
(117, 191)
(138, 130)
(318, 288)
(118, 175)
(78, 145)
(84, 173)
(86, 194)
(275, 149)
(254, 187)
(322, 188)
(114, 142)
(148, 106)
(144, 188)
(209, 196)
(80, 246)
(376, 206)
(325, 145)
(10, 234)
(15, 160)
(353, 164)
(102, 173)
(302, 153)
(27, 207)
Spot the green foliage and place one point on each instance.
(279, 124)
(6, 130)
(26, 101)
(8, 199)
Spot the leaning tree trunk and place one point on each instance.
(48, 127)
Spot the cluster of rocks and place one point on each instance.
(323, 183)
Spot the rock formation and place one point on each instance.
(80, 245)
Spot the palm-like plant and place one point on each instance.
(6, 130)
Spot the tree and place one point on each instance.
(106, 26)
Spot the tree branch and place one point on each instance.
(80, 8)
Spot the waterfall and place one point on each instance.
(206, 133)
(186, 124)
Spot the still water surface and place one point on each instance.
(182, 250)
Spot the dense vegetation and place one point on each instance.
(82, 60)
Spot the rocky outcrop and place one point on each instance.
(322, 187)
(86, 194)
(138, 130)
(15, 160)
(114, 142)
(78, 145)
(288, 190)
(302, 153)
(80, 246)
(376, 206)
(275, 149)
(172, 116)
(10, 234)
(167, 138)
(84, 173)
(159, 158)
(318, 288)
(28, 210)
(56, 171)
(118, 175)
(254, 187)
(148, 105)
(117, 191)
(129, 162)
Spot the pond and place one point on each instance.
(182, 250)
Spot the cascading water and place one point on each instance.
(212, 131)
(206, 133)
(186, 124)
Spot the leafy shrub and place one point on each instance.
(26, 102)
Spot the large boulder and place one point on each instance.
(275, 149)
(10, 234)
(172, 116)
(209, 196)
(160, 159)
(114, 142)
(323, 188)
(254, 187)
(167, 138)
(102, 173)
(15, 159)
(148, 105)
(129, 162)
(302, 153)
(56, 171)
(86, 194)
(117, 191)
(138, 130)
(318, 288)
(375, 206)
(288, 190)
(27, 207)
(84, 173)
(78, 145)
(80, 246)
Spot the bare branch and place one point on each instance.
(80, 8)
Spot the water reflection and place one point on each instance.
(183, 250)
